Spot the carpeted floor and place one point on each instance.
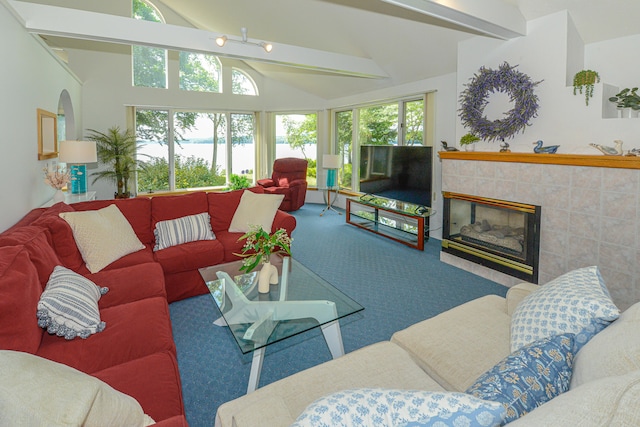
(397, 285)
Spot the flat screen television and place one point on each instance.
(397, 172)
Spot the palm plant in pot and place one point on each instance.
(117, 151)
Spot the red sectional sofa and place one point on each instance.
(135, 354)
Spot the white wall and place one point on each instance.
(550, 52)
(30, 78)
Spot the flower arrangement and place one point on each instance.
(260, 245)
(57, 178)
(474, 99)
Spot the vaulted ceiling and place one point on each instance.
(331, 48)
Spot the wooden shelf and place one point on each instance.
(602, 161)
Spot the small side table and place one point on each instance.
(326, 194)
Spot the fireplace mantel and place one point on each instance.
(620, 162)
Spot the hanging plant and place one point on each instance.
(583, 81)
(518, 86)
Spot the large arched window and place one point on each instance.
(200, 72)
(242, 84)
(149, 63)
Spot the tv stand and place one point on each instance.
(403, 222)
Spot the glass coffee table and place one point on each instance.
(300, 301)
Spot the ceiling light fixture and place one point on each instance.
(222, 40)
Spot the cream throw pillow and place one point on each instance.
(255, 209)
(102, 236)
(39, 392)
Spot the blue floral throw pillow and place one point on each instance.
(577, 302)
(528, 377)
(397, 408)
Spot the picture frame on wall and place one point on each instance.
(47, 135)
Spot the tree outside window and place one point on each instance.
(297, 136)
(242, 84)
(199, 72)
(149, 63)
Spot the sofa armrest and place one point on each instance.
(297, 182)
(266, 182)
(517, 293)
(283, 220)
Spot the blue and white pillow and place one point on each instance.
(577, 302)
(385, 407)
(68, 307)
(186, 229)
(528, 377)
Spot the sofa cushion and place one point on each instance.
(609, 401)
(19, 293)
(61, 236)
(36, 391)
(68, 307)
(222, 206)
(459, 345)
(144, 280)
(614, 351)
(190, 256)
(255, 209)
(153, 380)
(385, 407)
(529, 377)
(171, 207)
(577, 302)
(134, 330)
(36, 241)
(137, 210)
(185, 229)
(102, 236)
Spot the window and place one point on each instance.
(199, 152)
(199, 72)
(296, 136)
(149, 63)
(242, 84)
(376, 125)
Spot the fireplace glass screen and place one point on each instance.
(495, 233)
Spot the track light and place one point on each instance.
(222, 40)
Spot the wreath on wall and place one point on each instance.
(517, 85)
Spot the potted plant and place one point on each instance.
(467, 140)
(258, 247)
(627, 98)
(583, 82)
(117, 151)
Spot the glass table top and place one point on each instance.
(303, 302)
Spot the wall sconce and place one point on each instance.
(222, 40)
(76, 154)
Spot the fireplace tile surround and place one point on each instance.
(590, 214)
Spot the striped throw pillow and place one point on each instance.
(68, 307)
(182, 230)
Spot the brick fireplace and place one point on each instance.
(590, 211)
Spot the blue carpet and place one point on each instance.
(397, 285)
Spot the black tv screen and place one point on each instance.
(397, 172)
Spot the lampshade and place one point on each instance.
(77, 152)
(331, 161)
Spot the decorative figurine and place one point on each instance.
(609, 151)
(504, 147)
(446, 147)
(633, 152)
(550, 149)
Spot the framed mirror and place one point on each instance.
(47, 135)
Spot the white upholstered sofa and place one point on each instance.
(449, 352)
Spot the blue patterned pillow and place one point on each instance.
(382, 407)
(577, 302)
(183, 230)
(528, 377)
(68, 307)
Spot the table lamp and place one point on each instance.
(76, 154)
(331, 162)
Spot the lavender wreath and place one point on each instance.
(505, 79)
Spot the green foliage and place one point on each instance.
(345, 176)
(117, 151)
(238, 182)
(199, 72)
(143, 11)
(259, 246)
(627, 98)
(414, 122)
(191, 172)
(302, 133)
(379, 125)
(584, 81)
(468, 139)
